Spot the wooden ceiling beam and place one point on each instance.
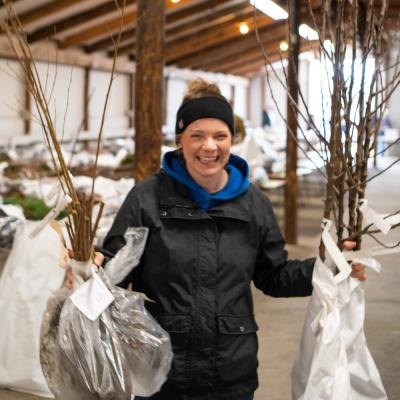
(271, 32)
(217, 21)
(112, 26)
(2, 3)
(76, 19)
(108, 42)
(255, 54)
(176, 20)
(195, 11)
(193, 31)
(183, 48)
(100, 30)
(200, 41)
(46, 10)
(253, 67)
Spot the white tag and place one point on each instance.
(92, 298)
(372, 217)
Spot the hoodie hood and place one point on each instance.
(238, 181)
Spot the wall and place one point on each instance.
(12, 98)
(274, 96)
(64, 88)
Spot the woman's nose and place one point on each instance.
(209, 144)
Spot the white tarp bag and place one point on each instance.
(30, 275)
(333, 361)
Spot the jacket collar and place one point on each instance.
(175, 202)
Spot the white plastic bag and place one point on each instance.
(30, 274)
(333, 361)
(119, 352)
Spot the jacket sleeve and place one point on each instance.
(127, 216)
(274, 274)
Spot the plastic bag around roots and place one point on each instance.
(122, 353)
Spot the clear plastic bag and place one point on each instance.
(122, 353)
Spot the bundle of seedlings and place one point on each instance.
(355, 52)
(359, 73)
(97, 340)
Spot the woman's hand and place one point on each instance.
(97, 260)
(358, 270)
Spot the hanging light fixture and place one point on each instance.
(284, 45)
(244, 28)
(175, 1)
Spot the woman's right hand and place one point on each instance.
(97, 260)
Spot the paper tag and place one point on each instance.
(372, 217)
(92, 298)
(336, 255)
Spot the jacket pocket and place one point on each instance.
(236, 352)
(179, 328)
(237, 325)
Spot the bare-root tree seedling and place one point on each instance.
(81, 228)
(350, 34)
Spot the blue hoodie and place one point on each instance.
(237, 184)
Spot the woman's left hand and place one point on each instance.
(358, 270)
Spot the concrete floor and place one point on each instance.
(281, 320)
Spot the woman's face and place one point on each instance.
(206, 145)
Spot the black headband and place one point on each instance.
(204, 107)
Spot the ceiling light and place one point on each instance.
(175, 1)
(283, 45)
(269, 8)
(307, 33)
(244, 28)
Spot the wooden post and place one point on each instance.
(86, 99)
(291, 189)
(131, 99)
(27, 113)
(149, 86)
(165, 105)
(263, 95)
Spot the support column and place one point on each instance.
(291, 187)
(149, 83)
(86, 100)
(131, 99)
(27, 112)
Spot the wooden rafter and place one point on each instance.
(107, 29)
(238, 14)
(255, 55)
(270, 32)
(2, 3)
(104, 29)
(208, 40)
(46, 10)
(77, 19)
(180, 21)
(200, 37)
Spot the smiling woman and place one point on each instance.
(211, 233)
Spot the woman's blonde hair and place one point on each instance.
(198, 87)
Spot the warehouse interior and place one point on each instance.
(118, 69)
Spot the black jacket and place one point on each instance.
(197, 266)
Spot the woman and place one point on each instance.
(211, 234)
